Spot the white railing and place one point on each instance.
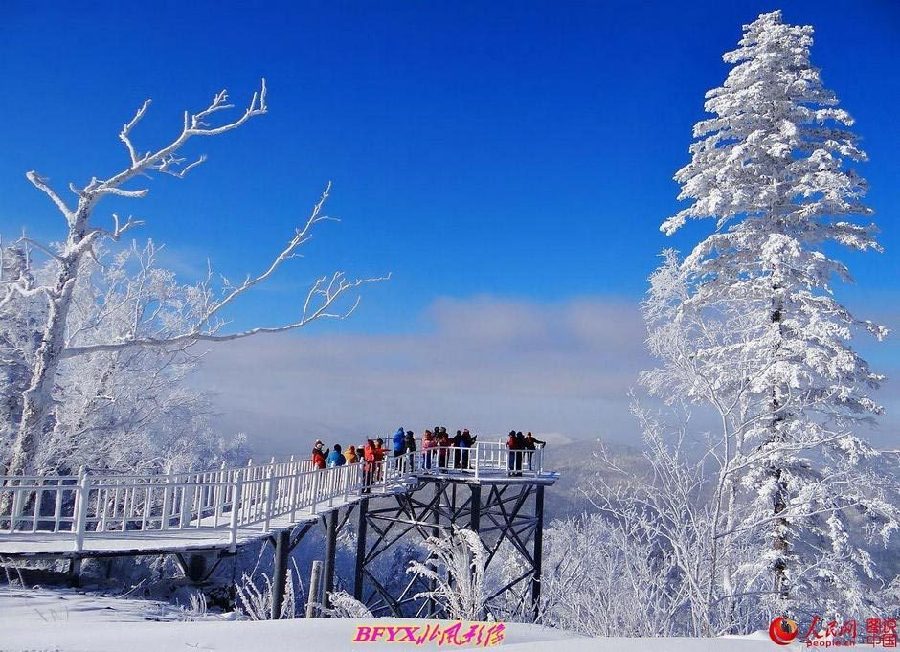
(484, 458)
(228, 498)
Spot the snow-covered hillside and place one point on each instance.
(66, 621)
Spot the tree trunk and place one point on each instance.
(37, 409)
(780, 542)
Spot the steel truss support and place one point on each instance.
(510, 513)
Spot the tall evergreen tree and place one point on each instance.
(773, 167)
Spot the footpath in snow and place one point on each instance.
(67, 621)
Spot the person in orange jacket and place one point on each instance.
(350, 455)
(369, 466)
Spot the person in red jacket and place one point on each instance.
(318, 455)
(379, 457)
(443, 442)
(428, 444)
(512, 443)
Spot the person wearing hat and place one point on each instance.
(318, 454)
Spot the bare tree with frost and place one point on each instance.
(129, 410)
(62, 342)
(747, 323)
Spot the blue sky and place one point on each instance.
(519, 153)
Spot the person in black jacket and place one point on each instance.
(520, 446)
(409, 447)
(466, 442)
(531, 443)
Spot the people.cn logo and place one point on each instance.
(783, 630)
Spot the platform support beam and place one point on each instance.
(475, 509)
(538, 550)
(361, 523)
(435, 532)
(330, 546)
(282, 549)
(74, 574)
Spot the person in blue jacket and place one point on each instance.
(335, 457)
(399, 441)
(399, 444)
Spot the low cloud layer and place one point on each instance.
(485, 364)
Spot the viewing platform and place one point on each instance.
(108, 514)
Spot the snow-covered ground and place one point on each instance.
(67, 621)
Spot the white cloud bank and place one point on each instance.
(486, 364)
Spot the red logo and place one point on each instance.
(783, 630)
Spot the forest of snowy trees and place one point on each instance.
(782, 508)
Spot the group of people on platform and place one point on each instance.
(521, 450)
(437, 448)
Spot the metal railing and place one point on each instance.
(228, 498)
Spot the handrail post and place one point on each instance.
(84, 488)
(315, 491)
(270, 495)
(235, 506)
(475, 459)
(15, 507)
(188, 491)
(167, 500)
(333, 478)
(221, 476)
(293, 489)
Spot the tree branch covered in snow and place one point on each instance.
(202, 319)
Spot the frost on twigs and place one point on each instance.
(344, 605)
(254, 598)
(203, 318)
(456, 565)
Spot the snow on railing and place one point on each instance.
(231, 498)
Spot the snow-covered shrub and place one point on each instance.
(254, 598)
(456, 565)
(344, 605)
(196, 608)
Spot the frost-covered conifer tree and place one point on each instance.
(773, 167)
